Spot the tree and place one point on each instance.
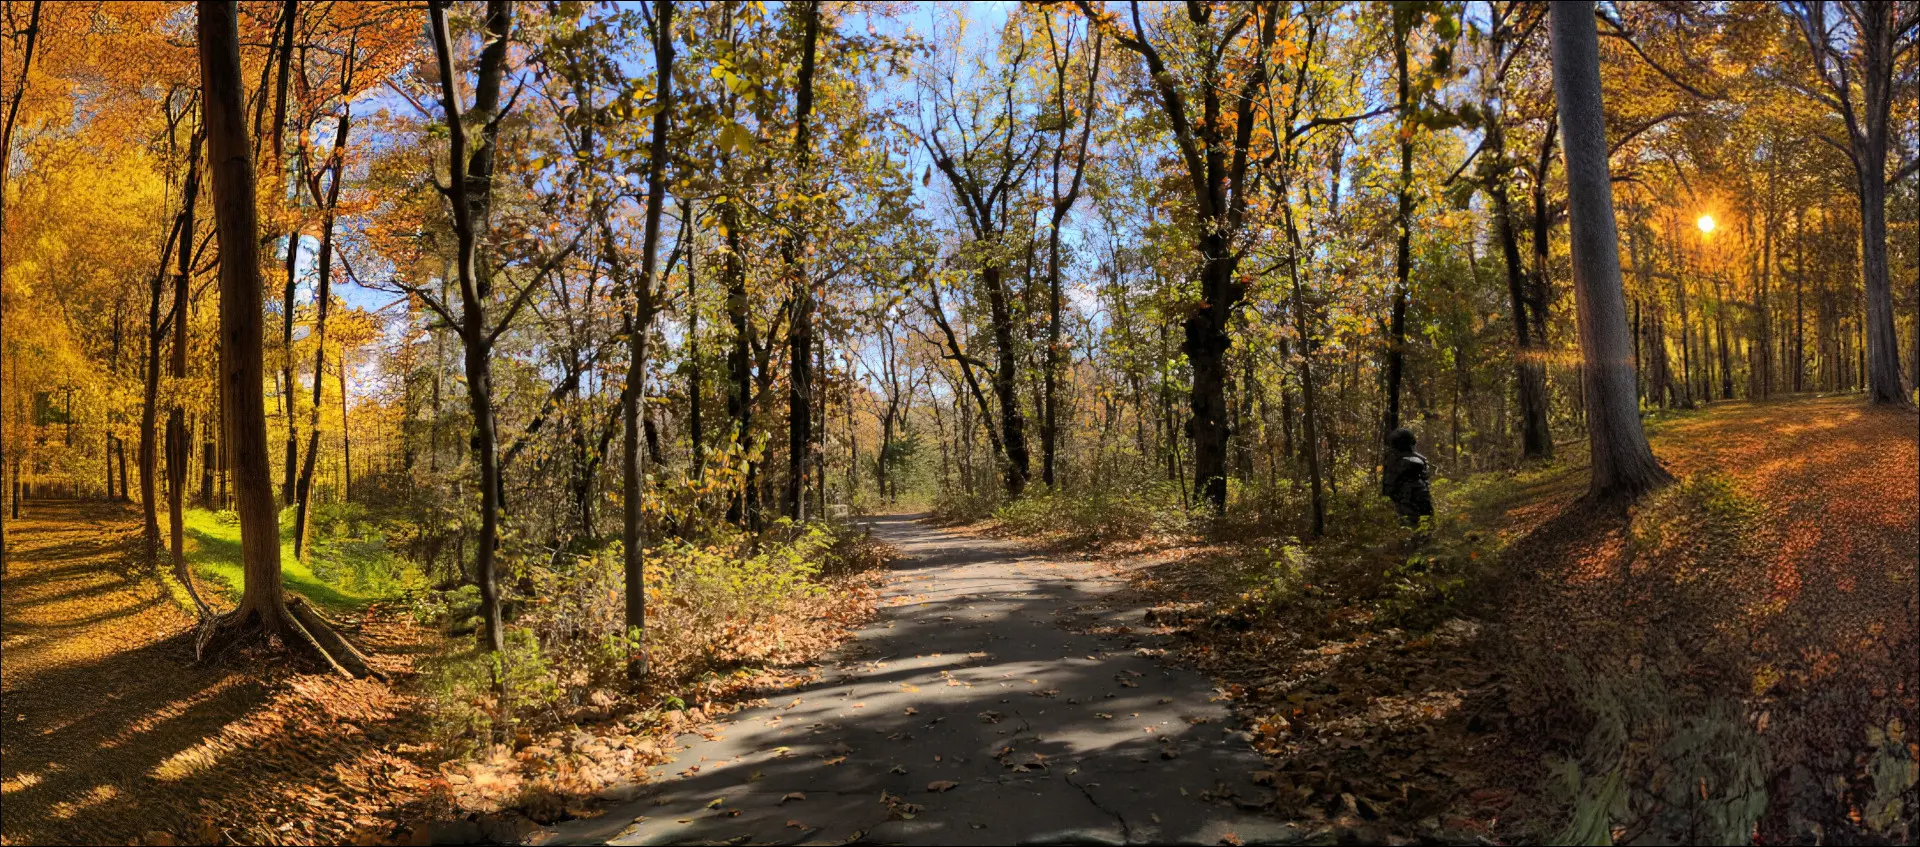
(31, 37)
(1061, 51)
(633, 397)
(801, 439)
(263, 604)
(335, 173)
(1854, 55)
(1623, 464)
(1214, 154)
(469, 193)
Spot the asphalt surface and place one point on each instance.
(968, 713)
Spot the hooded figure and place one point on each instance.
(1406, 478)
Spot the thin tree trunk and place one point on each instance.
(633, 471)
(1403, 256)
(322, 298)
(800, 432)
(177, 435)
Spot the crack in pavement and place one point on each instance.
(1126, 829)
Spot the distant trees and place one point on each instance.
(1855, 46)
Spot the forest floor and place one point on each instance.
(110, 732)
(1770, 596)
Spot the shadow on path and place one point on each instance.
(966, 714)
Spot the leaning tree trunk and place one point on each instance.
(263, 603)
(1623, 464)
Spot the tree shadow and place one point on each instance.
(1045, 735)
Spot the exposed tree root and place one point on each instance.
(294, 623)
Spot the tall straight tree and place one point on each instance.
(1623, 464)
(1855, 45)
(263, 602)
(633, 528)
(800, 435)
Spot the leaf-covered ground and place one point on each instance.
(110, 732)
(1777, 581)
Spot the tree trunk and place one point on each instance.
(633, 471)
(242, 370)
(470, 187)
(1623, 464)
(177, 435)
(1206, 342)
(800, 434)
(322, 297)
(1403, 257)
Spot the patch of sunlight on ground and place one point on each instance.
(19, 783)
(98, 794)
(215, 556)
(170, 711)
(197, 759)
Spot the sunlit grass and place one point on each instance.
(215, 557)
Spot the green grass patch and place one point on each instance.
(216, 560)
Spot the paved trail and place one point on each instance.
(968, 680)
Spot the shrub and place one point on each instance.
(733, 602)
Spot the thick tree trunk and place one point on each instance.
(1885, 383)
(1206, 342)
(242, 370)
(1623, 464)
(1006, 370)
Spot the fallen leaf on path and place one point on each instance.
(794, 795)
(941, 785)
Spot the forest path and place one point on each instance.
(967, 713)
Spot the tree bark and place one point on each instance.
(800, 434)
(633, 470)
(1623, 464)
(177, 435)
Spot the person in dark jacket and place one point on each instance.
(1406, 478)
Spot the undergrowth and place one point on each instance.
(716, 611)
